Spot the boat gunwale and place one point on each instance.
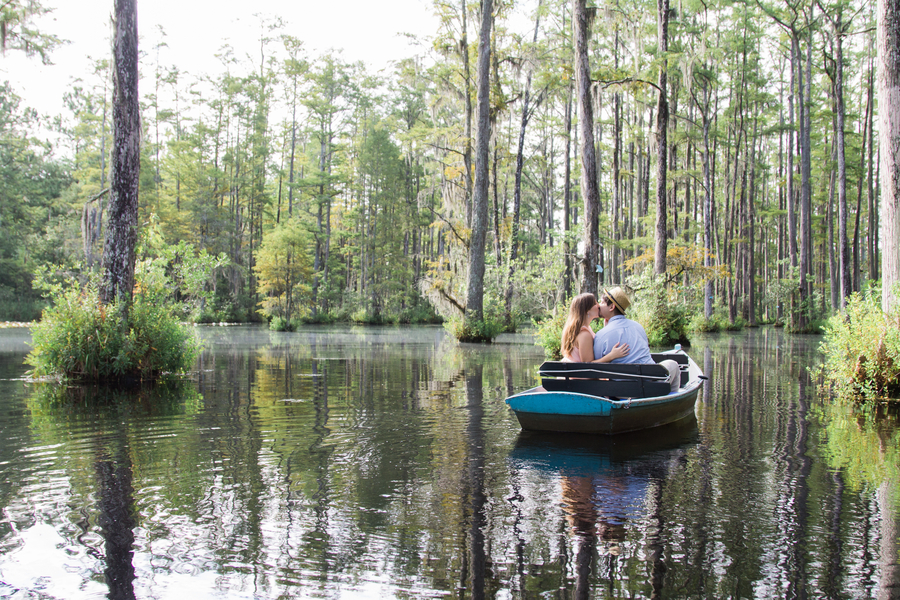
(616, 403)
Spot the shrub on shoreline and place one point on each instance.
(862, 349)
(81, 339)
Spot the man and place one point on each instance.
(621, 330)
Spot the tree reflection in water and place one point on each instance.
(473, 575)
(116, 515)
(108, 409)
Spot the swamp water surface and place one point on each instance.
(341, 462)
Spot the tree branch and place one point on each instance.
(451, 300)
(453, 229)
(98, 196)
(606, 84)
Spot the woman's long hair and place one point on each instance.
(578, 311)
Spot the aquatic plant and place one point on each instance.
(80, 338)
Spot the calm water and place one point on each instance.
(383, 463)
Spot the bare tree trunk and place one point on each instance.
(517, 184)
(707, 206)
(751, 223)
(832, 266)
(843, 245)
(662, 124)
(495, 220)
(791, 179)
(870, 185)
(121, 231)
(567, 195)
(857, 265)
(888, 34)
(467, 152)
(589, 190)
(475, 289)
(293, 152)
(805, 191)
(616, 204)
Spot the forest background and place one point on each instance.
(310, 189)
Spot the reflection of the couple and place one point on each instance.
(606, 483)
(592, 506)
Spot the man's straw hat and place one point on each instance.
(619, 298)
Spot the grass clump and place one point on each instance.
(79, 338)
(475, 330)
(862, 349)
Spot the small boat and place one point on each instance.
(604, 398)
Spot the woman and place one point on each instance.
(578, 338)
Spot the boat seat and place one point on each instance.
(604, 379)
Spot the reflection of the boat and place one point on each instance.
(607, 485)
(589, 455)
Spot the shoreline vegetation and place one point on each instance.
(861, 348)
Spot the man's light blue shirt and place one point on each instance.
(620, 330)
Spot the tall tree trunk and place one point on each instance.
(517, 184)
(707, 204)
(495, 220)
(870, 183)
(888, 35)
(567, 195)
(475, 289)
(467, 150)
(805, 190)
(662, 124)
(832, 265)
(293, 152)
(751, 218)
(843, 244)
(616, 204)
(121, 230)
(590, 192)
(791, 175)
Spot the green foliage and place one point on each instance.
(421, 313)
(19, 33)
(15, 307)
(538, 282)
(282, 324)
(469, 329)
(284, 269)
(719, 321)
(79, 338)
(34, 221)
(367, 317)
(549, 332)
(474, 330)
(862, 349)
(178, 275)
(665, 317)
(785, 293)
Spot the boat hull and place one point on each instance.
(540, 410)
